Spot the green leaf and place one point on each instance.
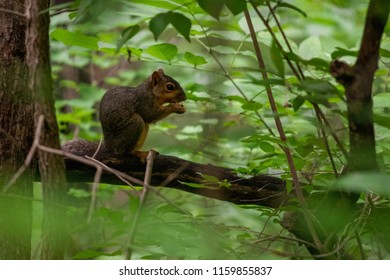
(213, 8)
(318, 86)
(319, 91)
(271, 82)
(376, 182)
(211, 181)
(75, 39)
(87, 254)
(195, 185)
(158, 24)
(194, 59)
(290, 6)
(236, 6)
(310, 48)
(79, 193)
(382, 120)
(298, 102)
(166, 209)
(155, 256)
(181, 23)
(209, 178)
(252, 106)
(116, 217)
(127, 34)
(163, 51)
(340, 52)
(277, 58)
(384, 52)
(267, 147)
(192, 129)
(318, 63)
(91, 254)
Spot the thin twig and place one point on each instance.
(332, 132)
(94, 163)
(95, 186)
(175, 174)
(12, 12)
(67, 10)
(325, 140)
(360, 245)
(148, 175)
(98, 147)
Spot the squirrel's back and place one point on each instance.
(116, 98)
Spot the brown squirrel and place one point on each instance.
(126, 112)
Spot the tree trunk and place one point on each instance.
(26, 94)
(51, 166)
(357, 81)
(16, 122)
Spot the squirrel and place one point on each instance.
(126, 112)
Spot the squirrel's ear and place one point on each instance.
(156, 77)
(160, 71)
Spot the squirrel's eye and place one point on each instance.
(170, 86)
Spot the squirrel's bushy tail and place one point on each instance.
(82, 147)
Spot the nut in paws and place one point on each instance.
(179, 108)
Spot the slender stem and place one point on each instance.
(282, 135)
(338, 141)
(325, 139)
(95, 187)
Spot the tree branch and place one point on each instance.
(172, 172)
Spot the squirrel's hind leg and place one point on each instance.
(142, 137)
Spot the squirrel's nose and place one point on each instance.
(182, 96)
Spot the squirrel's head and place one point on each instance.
(166, 89)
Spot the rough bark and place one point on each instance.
(51, 166)
(16, 135)
(171, 171)
(357, 80)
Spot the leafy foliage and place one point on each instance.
(181, 23)
(205, 45)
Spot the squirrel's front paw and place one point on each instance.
(178, 108)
